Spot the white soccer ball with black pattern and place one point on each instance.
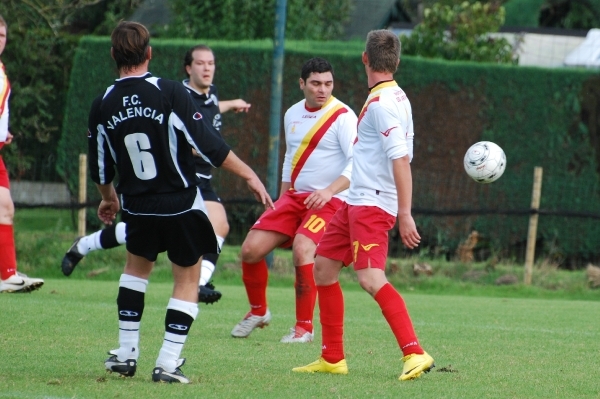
(485, 162)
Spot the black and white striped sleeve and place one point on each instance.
(101, 162)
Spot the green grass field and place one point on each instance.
(54, 343)
(488, 341)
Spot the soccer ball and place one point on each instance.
(485, 162)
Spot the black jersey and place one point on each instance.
(146, 127)
(209, 107)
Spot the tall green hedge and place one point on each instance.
(536, 115)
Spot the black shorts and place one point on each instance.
(207, 191)
(185, 237)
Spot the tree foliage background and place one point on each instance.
(460, 32)
(241, 20)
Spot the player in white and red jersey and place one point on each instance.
(319, 133)
(11, 281)
(380, 190)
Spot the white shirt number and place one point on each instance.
(143, 163)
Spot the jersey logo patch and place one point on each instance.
(89, 134)
(387, 132)
(197, 116)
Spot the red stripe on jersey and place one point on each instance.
(364, 110)
(314, 141)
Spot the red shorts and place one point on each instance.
(358, 234)
(3, 175)
(291, 217)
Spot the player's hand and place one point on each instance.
(241, 106)
(108, 208)
(9, 138)
(317, 199)
(408, 231)
(260, 192)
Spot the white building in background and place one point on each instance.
(544, 50)
(587, 54)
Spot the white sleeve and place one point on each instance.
(392, 124)
(347, 138)
(286, 173)
(3, 107)
(4, 125)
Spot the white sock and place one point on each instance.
(120, 233)
(129, 331)
(220, 241)
(173, 343)
(206, 271)
(89, 243)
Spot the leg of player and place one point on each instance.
(182, 310)
(130, 305)
(416, 360)
(255, 274)
(218, 218)
(110, 237)
(306, 291)
(11, 281)
(331, 308)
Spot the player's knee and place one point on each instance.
(304, 249)
(224, 229)
(7, 212)
(369, 284)
(249, 252)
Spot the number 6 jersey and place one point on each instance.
(145, 127)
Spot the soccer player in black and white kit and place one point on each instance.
(145, 128)
(199, 65)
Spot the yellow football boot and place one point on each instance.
(323, 366)
(415, 365)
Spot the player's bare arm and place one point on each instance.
(9, 138)
(237, 105)
(406, 224)
(109, 206)
(318, 198)
(236, 166)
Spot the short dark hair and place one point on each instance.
(130, 42)
(383, 50)
(318, 65)
(189, 55)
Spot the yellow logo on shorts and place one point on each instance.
(369, 246)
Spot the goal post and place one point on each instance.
(533, 223)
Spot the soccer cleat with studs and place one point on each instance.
(159, 374)
(207, 294)
(249, 323)
(415, 365)
(71, 258)
(19, 282)
(323, 366)
(297, 335)
(114, 365)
